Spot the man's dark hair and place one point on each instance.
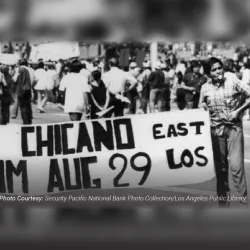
(113, 62)
(209, 64)
(23, 62)
(96, 63)
(247, 64)
(40, 65)
(76, 66)
(195, 64)
(229, 65)
(97, 75)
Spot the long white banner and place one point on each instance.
(157, 150)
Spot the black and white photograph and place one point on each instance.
(124, 124)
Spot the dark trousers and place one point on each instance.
(166, 99)
(75, 116)
(144, 99)
(61, 97)
(118, 106)
(229, 156)
(25, 107)
(180, 99)
(132, 96)
(4, 114)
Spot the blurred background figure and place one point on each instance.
(42, 82)
(76, 90)
(156, 82)
(6, 83)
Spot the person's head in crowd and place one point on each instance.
(67, 62)
(146, 65)
(40, 65)
(214, 69)
(182, 61)
(158, 66)
(61, 61)
(163, 66)
(195, 66)
(96, 75)
(89, 60)
(23, 62)
(66, 69)
(247, 64)
(179, 76)
(136, 72)
(4, 69)
(51, 67)
(96, 63)
(75, 66)
(132, 66)
(229, 66)
(113, 63)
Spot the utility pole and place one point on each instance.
(153, 54)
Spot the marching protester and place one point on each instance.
(115, 80)
(221, 96)
(23, 63)
(166, 89)
(23, 93)
(131, 90)
(194, 80)
(156, 81)
(6, 99)
(143, 87)
(52, 83)
(77, 91)
(41, 87)
(179, 91)
(100, 97)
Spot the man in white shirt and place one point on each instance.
(115, 80)
(41, 87)
(76, 92)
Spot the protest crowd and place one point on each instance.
(111, 86)
(101, 87)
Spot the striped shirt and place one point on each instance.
(222, 99)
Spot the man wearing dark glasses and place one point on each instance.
(222, 95)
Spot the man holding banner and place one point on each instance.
(222, 96)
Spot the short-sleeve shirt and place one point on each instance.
(116, 80)
(75, 85)
(222, 99)
(42, 79)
